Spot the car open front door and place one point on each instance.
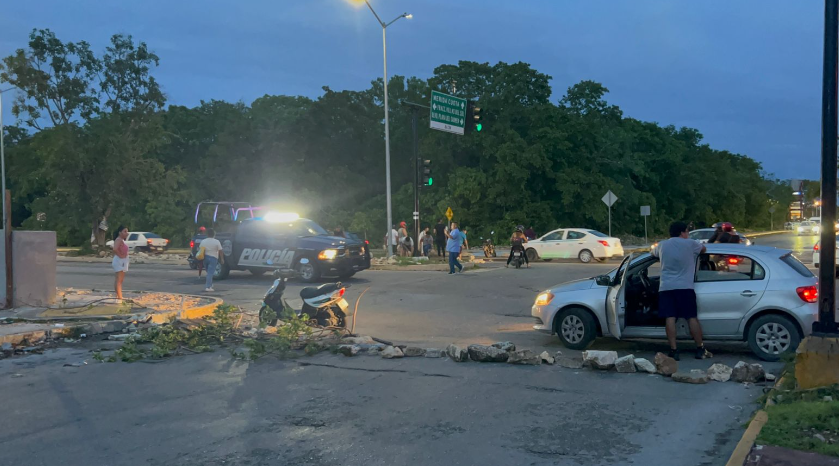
(616, 299)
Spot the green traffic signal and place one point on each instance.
(430, 181)
(479, 127)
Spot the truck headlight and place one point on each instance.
(327, 254)
(544, 298)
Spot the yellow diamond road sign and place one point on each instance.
(449, 214)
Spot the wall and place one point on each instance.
(33, 268)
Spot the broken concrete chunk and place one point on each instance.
(349, 350)
(665, 365)
(524, 357)
(483, 353)
(644, 365)
(547, 358)
(391, 352)
(375, 350)
(719, 372)
(413, 352)
(359, 340)
(457, 353)
(507, 346)
(625, 364)
(770, 377)
(125, 336)
(604, 360)
(433, 353)
(750, 373)
(696, 376)
(569, 363)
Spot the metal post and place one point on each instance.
(414, 124)
(645, 230)
(610, 221)
(2, 158)
(387, 151)
(827, 271)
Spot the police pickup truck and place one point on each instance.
(270, 242)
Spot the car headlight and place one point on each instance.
(800, 229)
(816, 229)
(327, 254)
(544, 298)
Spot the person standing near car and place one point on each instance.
(677, 298)
(120, 261)
(213, 256)
(440, 238)
(453, 245)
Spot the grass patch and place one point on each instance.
(796, 424)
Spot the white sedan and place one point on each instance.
(808, 228)
(816, 249)
(704, 234)
(567, 243)
(144, 241)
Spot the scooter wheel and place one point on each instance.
(267, 316)
(328, 318)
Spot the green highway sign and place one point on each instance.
(448, 113)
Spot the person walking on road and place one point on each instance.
(453, 245)
(406, 244)
(440, 238)
(120, 261)
(426, 241)
(677, 298)
(213, 256)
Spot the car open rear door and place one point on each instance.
(616, 299)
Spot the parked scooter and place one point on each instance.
(324, 304)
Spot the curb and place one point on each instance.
(190, 313)
(747, 441)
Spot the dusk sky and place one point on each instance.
(746, 73)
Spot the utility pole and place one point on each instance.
(827, 272)
(415, 109)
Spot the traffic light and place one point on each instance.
(427, 180)
(473, 118)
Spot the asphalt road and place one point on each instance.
(325, 410)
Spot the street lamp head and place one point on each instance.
(407, 15)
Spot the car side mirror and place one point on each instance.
(603, 280)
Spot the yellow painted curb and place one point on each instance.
(190, 313)
(744, 446)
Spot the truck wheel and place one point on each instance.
(257, 272)
(222, 271)
(308, 272)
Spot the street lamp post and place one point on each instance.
(387, 124)
(3, 158)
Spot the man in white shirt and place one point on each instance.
(213, 255)
(676, 297)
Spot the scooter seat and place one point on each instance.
(312, 291)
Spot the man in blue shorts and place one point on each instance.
(676, 298)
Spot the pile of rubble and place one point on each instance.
(506, 351)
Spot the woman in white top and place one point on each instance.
(213, 256)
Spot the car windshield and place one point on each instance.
(702, 234)
(151, 235)
(301, 227)
(597, 233)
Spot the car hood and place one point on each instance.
(576, 285)
(326, 242)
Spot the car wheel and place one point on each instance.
(257, 272)
(532, 255)
(308, 272)
(221, 272)
(576, 328)
(585, 256)
(772, 336)
(193, 265)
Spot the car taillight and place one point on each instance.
(191, 244)
(148, 241)
(808, 294)
(167, 241)
(366, 242)
(603, 242)
(733, 260)
(341, 292)
(816, 247)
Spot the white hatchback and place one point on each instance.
(566, 243)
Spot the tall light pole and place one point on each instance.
(3, 158)
(387, 124)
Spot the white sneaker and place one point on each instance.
(207, 290)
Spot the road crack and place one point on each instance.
(399, 371)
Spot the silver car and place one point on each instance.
(759, 294)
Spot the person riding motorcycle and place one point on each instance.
(517, 242)
(724, 234)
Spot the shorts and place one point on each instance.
(680, 304)
(119, 264)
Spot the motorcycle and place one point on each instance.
(489, 248)
(324, 304)
(518, 258)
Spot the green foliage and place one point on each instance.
(114, 151)
(294, 335)
(794, 425)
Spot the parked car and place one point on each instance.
(788, 225)
(808, 228)
(759, 294)
(145, 241)
(566, 243)
(704, 234)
